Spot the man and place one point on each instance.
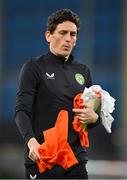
(48, 84)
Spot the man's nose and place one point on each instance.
(68, 37)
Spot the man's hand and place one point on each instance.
(86, 115)
(33, 149)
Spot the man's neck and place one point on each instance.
(66, 57)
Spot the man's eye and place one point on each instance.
(73, 34)
(62, 33)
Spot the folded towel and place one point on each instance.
(92, 96)
(79, 127)
(55, 149)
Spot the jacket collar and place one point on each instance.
(59, 59)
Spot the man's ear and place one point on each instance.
(48, 36)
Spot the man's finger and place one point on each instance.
(34, 156)
(78, 110)
(31, 157)
(84, 122)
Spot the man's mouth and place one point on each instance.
(67, 46)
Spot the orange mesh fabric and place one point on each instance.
(55, 149)
(78, 127)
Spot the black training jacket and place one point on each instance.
(48, 84)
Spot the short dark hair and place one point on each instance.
(61, 16)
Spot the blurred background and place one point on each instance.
(102, 45)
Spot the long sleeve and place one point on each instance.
(23, 123)
(89, 78)
(28, 81)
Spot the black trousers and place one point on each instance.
(77, 171)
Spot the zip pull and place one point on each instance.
(64, 64)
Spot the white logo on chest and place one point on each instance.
(50, 76)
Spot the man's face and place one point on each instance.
(63, 39)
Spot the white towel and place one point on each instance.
(107, 104)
